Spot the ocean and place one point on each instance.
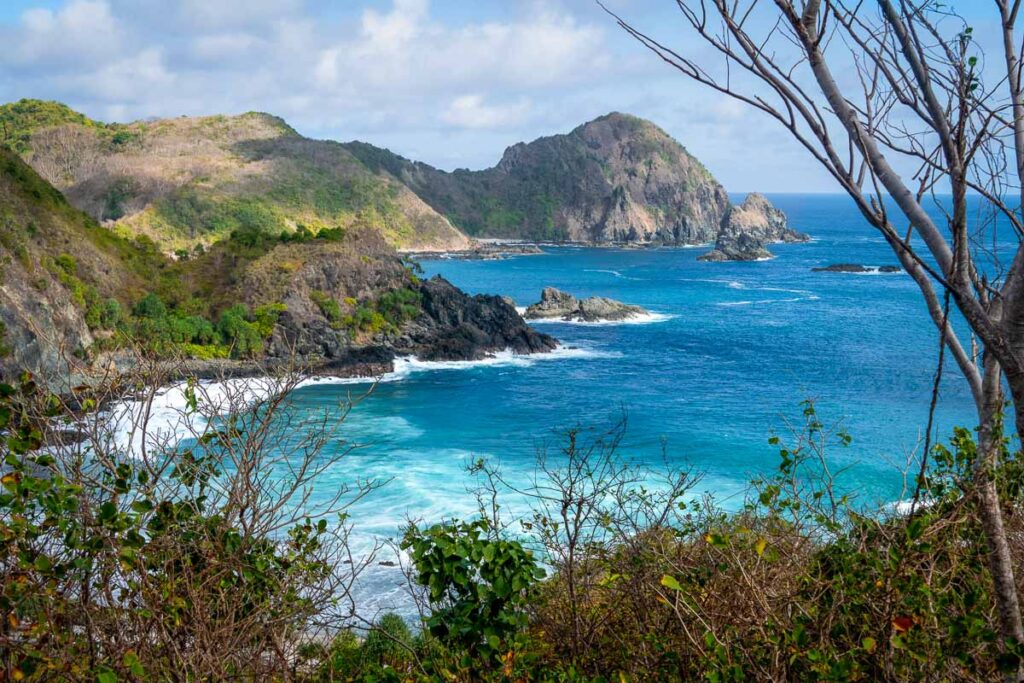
(733, 350)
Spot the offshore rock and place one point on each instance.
(555, 303)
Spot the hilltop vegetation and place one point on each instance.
(190, 181)
(20, 120)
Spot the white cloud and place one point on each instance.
(470, 111)
(450, 83)
(404, 49)
(223, 46)
(83, 31)
(131, 79)
(220, 14)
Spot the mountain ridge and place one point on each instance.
(617, 178)
(187, 182)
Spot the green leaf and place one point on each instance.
(670, 582)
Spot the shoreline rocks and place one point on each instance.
(555, 303)
(478, 252)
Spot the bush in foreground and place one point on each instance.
(181, 561)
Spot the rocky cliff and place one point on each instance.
(55, 262)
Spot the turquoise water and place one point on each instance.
(741, 345)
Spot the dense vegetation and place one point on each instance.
(129, 294)
(18, 120)
(149, 569)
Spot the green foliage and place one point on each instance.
(167, 331)
(302, 235)
(18, 120)
(387, 313)
(265, 317)
(328, 306)
(249, 220)
(147, 555)
(151, 306)
(389, 643)
(478, 586)
(398, 306)
(240, 332)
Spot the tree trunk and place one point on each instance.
(1000, 561)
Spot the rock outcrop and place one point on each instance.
(747, 230)
(555, 303)
(49, 254)
(456, 326)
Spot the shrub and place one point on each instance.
(399, 306)
(266, 316)
(118, 567)
(150, 306)
(478, 586)
(389, 644)
(328, 307)
(239, 332)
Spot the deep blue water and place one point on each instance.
(745, 344)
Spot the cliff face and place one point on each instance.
(615, 179)
(188, 181)
(52, 259)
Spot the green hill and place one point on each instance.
(189, 181)
(616, 178)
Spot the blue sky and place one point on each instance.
(449, 82)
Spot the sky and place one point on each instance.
(448, 82)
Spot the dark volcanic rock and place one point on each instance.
(855, 268)
(555, 303)
(841, 268)
(456, 326)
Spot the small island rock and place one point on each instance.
(555, 303)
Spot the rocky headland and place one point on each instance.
(615, 180)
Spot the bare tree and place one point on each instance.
(866, 89)
(64, 154)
